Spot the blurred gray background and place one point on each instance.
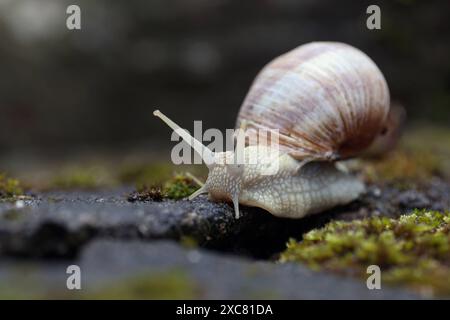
(193, 59)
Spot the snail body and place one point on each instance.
(295, 190)
(328, 102)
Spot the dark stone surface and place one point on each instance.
(413, 198)
(105, 263)
(113, 239)
(222, 276)
(59, 224)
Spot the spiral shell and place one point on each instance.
(327, 99)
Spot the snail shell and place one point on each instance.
(327, 99)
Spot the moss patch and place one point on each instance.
(413, 250)
(178, 187)
(169, 285)
(9, 188)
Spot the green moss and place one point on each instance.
(180, 186)
(413, 250)
(9, 188)
(169, 285)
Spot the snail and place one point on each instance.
(328, 101)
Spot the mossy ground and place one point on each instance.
(413, 250)
(178, 187)
(9, 188)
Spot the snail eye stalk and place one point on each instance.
(206, 154)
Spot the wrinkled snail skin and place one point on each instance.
(294, 191)
(317, 187)
(328, 101)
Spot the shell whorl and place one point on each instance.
(328, 100)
